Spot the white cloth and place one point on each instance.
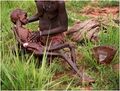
(25, 44)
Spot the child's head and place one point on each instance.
(18, 14)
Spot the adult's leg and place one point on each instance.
(72, 62)
(59, 46)
(84, 78)
(69, 61)
(65, 57)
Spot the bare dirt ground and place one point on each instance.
(97, 11)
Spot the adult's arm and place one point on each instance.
(33, 18)
(63, 20)
(39, 12)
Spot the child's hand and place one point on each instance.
(32, 46)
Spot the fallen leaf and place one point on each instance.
(104, 54)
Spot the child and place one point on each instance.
(19, 18)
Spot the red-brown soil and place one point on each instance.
(97, 11)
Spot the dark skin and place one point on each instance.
(36, 49)
(22, 35)
(52, 18)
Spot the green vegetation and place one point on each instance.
(20, 72)
(108, 3)
(75, 6)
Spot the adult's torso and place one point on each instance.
(49, 18)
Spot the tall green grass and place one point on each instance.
(20, 72)
(106, 78)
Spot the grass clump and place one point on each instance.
(20, 72)
(108, 3)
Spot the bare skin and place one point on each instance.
(22, 35)
(52, 18)
(53, 21)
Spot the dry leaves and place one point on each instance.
(104, 54)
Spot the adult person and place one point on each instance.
(53, 21)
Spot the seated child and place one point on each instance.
(19, 18)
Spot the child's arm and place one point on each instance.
(33, 18)
(16, 35)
